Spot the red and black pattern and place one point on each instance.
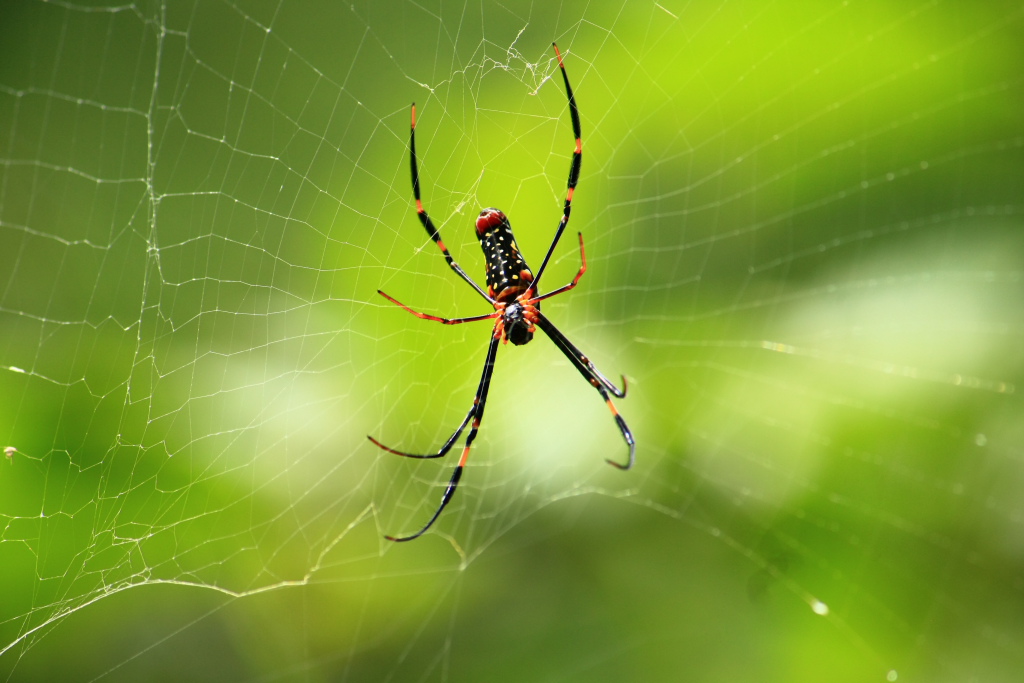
(508, 276)
(512, 289)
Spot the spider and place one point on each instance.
(512, 289)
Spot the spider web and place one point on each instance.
(803, 230)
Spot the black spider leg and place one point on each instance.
(574, 169)
(596, 379)
(477, 411)
(447, 321)
(619, 393)
(440, 454)
(428, 224)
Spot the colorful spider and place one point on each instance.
(512, 289)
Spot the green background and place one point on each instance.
(804, 234)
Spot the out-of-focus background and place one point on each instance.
(803, 225)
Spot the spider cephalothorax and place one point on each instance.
(516, 322)
(512, 291)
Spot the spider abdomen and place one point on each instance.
(508, 276)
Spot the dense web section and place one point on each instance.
(804, 239)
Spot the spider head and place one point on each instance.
(518, 329)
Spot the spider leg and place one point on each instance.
(575, 354)
(428, 224)
(477, 411)
(592, 372)
(574, 167)
(565, 288)
(564, 343)
(596, 379)
(441, 453)
(446, 321)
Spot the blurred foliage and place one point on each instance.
(803, 229)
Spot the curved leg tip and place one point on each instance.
(381, 446)
(401, 539)
(627, 466)
(629, 463)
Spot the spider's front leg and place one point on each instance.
(477, 414)
(447, 321)
(596, 379)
